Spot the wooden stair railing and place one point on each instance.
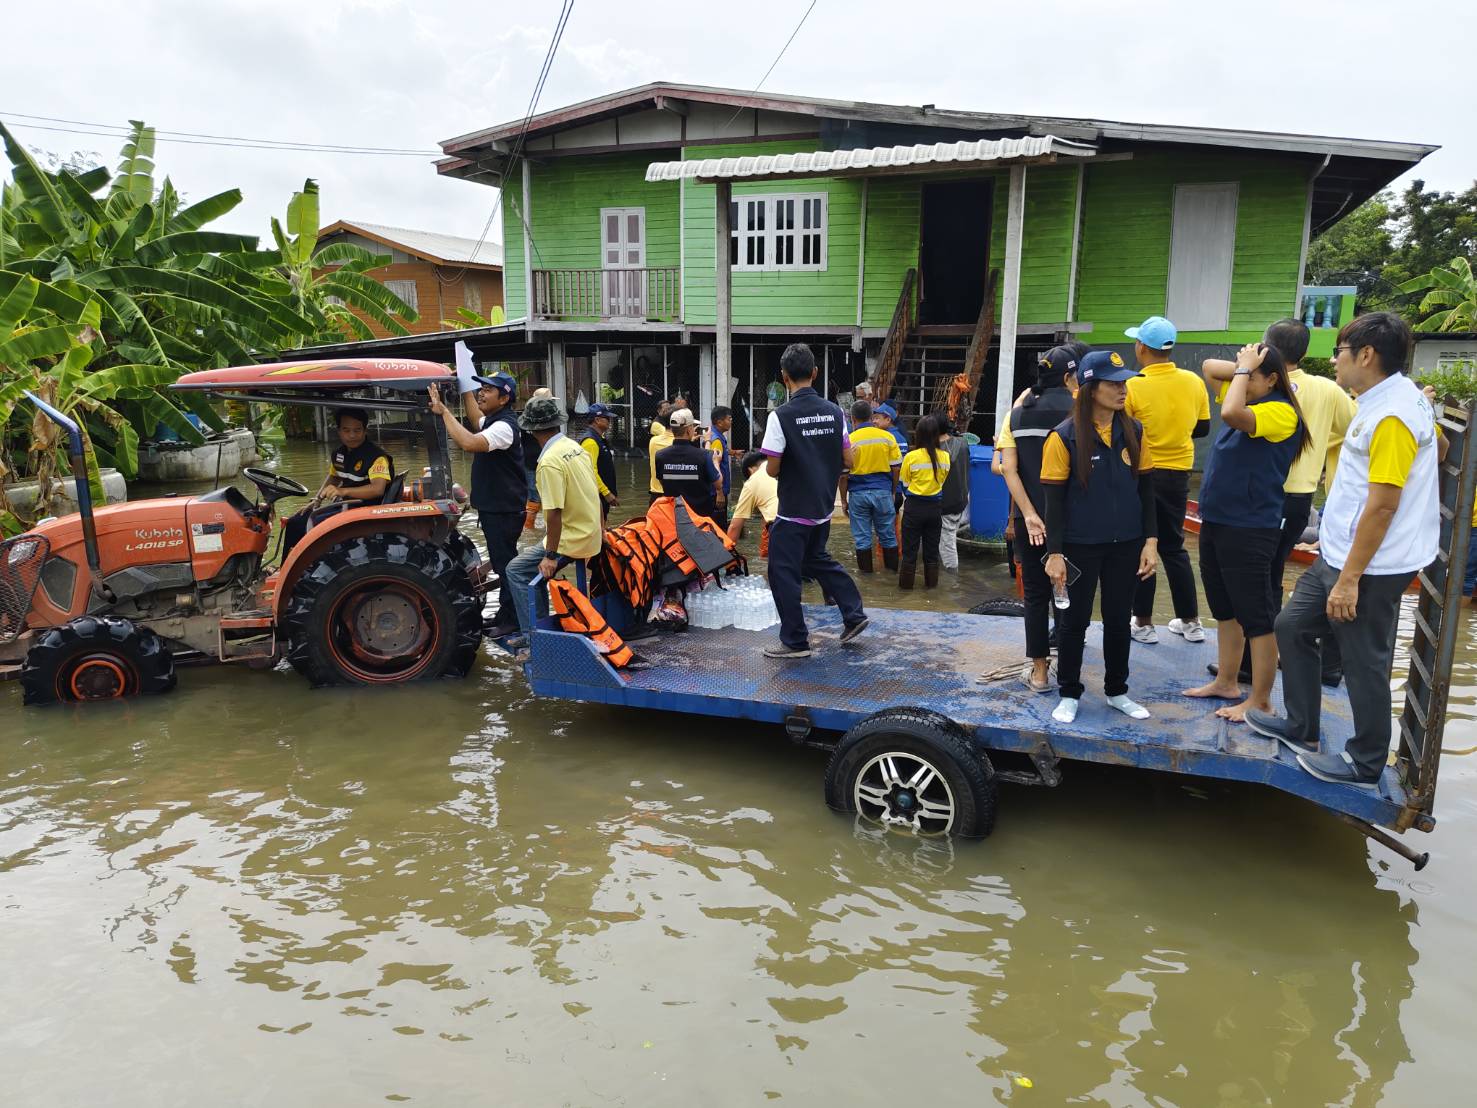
(897, 338)
(974, 361)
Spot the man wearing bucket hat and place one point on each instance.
(594, 444)
(499, 484)
(570, 499)
(1174, 409)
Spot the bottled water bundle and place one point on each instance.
(743, 603)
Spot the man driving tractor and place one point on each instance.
(358, 473)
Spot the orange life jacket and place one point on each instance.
(631, 558)
(575, 613)
(662, 514)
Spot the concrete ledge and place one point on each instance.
(22, 496)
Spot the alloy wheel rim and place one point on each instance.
(906, 791)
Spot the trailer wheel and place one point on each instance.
(96, 658)
(380, 610)
(915, 770)
(1000, 606)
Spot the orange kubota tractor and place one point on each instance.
(100, 604)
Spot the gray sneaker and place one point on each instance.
(852, 630)
(1338, 768)
(1275, 727)
(780, 650)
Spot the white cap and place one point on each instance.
(682, 417)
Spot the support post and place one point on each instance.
(1076, 247)
(723, 283)
(525, 215)
(1015, 214)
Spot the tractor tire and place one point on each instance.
(1000, 606)
(96, 658)
(916, 770)
(464, 552)
(380, 610)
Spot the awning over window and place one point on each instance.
(869, 161)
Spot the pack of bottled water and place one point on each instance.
(742, 602)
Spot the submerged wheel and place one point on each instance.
(915, 770)
(464, 552)
(96, 658)
(382, 609)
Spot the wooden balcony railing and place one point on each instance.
(647, 293)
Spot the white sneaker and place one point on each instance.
(1065, 710)
(1144, 632)
(1128, 707)
(1190, 628)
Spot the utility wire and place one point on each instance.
(293, 148)
(357, 147)
(774, 63)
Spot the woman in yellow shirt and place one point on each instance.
(923, 472)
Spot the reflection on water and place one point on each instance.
(457, 893)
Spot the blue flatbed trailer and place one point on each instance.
(931, 661)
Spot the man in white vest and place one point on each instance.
(1381, 525)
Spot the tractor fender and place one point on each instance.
(430, 520)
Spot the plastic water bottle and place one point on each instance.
(1059, 596)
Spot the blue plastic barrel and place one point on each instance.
(989, 499)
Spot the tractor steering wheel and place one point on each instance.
(274, 486)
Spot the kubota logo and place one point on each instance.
(156, 538)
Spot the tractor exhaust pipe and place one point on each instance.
(78, 464)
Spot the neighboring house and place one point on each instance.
(435, 274)
(873, 231)
(1444, 350)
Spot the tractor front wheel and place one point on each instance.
(383, 609)
(96, 658)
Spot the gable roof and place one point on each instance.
(430, 245)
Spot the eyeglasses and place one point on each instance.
(1340, 346)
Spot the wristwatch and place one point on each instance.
(1241, 373)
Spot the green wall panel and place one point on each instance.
(894, 214)
(514, 295)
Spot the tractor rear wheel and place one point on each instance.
(96, 658)
(382, 609)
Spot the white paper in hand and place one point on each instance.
(465, 368)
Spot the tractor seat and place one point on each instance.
(394, 490)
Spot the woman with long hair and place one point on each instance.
(1099, 522)
(923, 473)
(1262, 434)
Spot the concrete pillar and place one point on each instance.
(1015, 216)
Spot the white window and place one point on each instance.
(405, 290)
(778, 231)
(1202, 253)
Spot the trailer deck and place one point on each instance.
(931, 660)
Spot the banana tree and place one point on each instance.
(1452, 296)
(466, 317)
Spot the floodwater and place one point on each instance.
(247, 892)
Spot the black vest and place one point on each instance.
(499, 481)
(1244, 476)
(351, 467)
(813, 428)
(1108, 510)
(1030, 426)
(681, 469)
(604, 459)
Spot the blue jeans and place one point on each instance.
(1471, 582)
(522, 571)
(868, 510)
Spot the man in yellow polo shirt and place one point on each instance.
(1173, 406)
(661, 438)
(869, 488)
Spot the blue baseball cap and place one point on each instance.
(1156, 332)
(500, 381)
(886, 409)
(599, 411)
(1104, 365)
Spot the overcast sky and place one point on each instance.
(390, 73)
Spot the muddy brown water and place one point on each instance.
(248, 892)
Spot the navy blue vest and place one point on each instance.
(1108, 509)
(682, 470)
(1244, 476)
(604, 460)
(1030, 426)
(499, 483)
(813, 427)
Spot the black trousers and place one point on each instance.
(501, 531)
(1171, 493)
(1297, 507)
(1114, 565)
(796, 551)
(1037, 587)
(923, 523)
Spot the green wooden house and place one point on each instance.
(674, 238)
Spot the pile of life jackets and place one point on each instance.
(575, 613)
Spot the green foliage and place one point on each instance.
(1452, 296)
(1458, 380)
(466, 318)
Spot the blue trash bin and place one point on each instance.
(989, 499)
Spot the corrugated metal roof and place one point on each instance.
(446, 248)
(821, 163)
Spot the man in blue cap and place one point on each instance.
(884, 415)
(1174, 408)
(499, 484)
(594, 444)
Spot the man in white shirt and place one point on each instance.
(1381, 525)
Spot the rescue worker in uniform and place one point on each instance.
(869, 489)
(720, 423)
(594, 444)
(686, 470)
(499, 484)
(359, 472)
(1100, 521)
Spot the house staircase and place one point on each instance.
(926, 368)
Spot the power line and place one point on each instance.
(116, 132)
(227, 138)
(776, 61)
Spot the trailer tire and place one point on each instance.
(96, 658)
(429, 622)
(876, 768)
(1000, 606)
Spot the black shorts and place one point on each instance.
(1235, 568)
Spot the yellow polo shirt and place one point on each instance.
(923, 476)
(1056, 462)
(760, 493)
(566, 481)
(661, 438)
(1168, 401)
(1327, 410)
